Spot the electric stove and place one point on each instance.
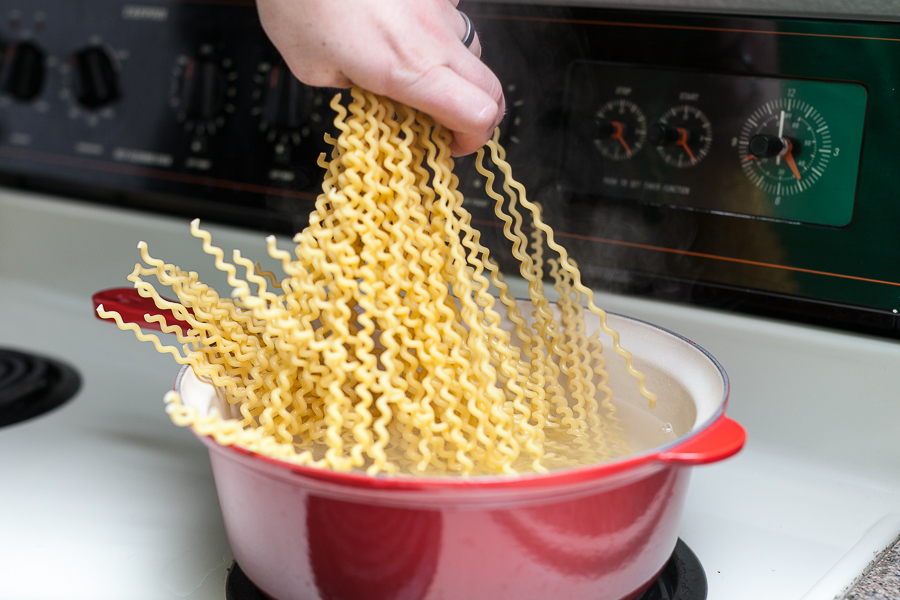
(796, 294)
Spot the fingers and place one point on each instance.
(409, 50)
(468, 36)
(475, 46)
(460, 104)
(464, 143)
(467, 98)
(331, 78)
(432, 71)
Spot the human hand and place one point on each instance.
(408, 50)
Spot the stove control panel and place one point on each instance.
(762, 147)
(178, 101)
(744, 162)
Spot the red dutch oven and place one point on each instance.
(598, 532)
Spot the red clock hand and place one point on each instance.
(789, 159)
(617, 135)
(682, 141)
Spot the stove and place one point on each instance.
(798, 304)
(682, 578)
(122, 503)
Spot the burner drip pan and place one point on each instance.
(31, 385)
(682, 578)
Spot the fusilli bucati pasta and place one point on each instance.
(381, 346)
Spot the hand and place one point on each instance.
(408, 50)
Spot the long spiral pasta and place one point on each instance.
(381, 348)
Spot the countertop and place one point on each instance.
(882, 582)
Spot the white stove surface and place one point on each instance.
(104, 498)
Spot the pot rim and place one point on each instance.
(717, 438)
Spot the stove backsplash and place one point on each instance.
(736, 162)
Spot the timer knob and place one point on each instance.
(604, 128)
(286, 102)
(661, 134)
(95, 81)
(23, 71)
(203, 88)
(763, 146)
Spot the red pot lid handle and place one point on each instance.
(132, 307)
(722, 439)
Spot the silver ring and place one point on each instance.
(469, 37)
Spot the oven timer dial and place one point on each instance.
(620, 129)
(682, 136)
(289, 111)
(784, 147)
(203, 92)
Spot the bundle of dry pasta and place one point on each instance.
(381, 347)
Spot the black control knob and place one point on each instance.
(203, 88)
(23, 71)
(95, 80)
(661, 134)
(286, 105)
(763, 146)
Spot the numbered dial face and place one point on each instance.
(621, 129)
(289, 112)
(785, 146)
(203, 90)
(682, 136)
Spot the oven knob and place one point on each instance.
(203, 89)
(95, 79)
(661, 134)
(23, 71)
(203, 93)
(290, 113)
(287, 101)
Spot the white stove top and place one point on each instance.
(105, 498)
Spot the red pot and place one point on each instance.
(600, 532)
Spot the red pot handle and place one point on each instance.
(132, 306)
(724, 438)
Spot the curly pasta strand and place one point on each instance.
(381, 347)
